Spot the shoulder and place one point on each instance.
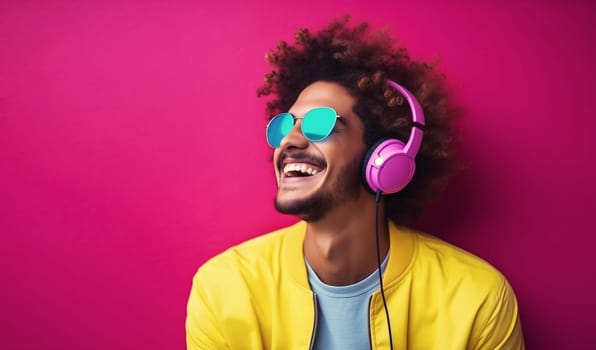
(436, 256)
(450, 275)
(254, 254)
(229, 289)
(468, 287)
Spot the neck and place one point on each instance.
(341, 248)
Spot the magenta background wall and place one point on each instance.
(132, 150)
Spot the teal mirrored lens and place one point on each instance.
(278, 128)
(318, 123)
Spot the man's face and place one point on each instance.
(315, 177)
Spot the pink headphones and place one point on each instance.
(389, 165)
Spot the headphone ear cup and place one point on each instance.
(386, 167)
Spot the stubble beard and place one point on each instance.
(316, 206)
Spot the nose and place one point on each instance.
(295, 138)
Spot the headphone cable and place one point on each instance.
(377, 200)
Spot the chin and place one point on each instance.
(309, 208)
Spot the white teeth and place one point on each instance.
(303, 168)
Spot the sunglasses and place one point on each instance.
(317, 124)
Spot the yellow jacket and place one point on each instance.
(257, 296)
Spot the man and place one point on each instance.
(351, 114)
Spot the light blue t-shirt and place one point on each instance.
(342, 320)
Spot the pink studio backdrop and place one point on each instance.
(132, 150)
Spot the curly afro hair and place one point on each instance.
(361, 61)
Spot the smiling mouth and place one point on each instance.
(300, 165)
(300, 170)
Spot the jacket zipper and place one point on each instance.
(369, 329)
(314, 328)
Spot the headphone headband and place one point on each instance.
(415, 140)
